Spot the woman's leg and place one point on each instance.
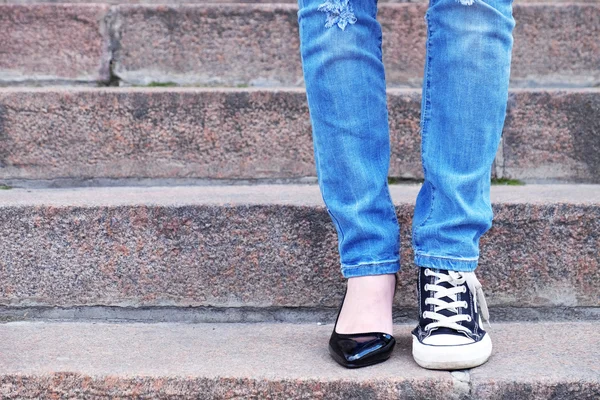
(465, 92)
(340, 45)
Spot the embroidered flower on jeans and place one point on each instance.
(338, 12)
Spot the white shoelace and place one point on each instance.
(456, 279)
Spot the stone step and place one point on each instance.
(268, 246)
(258, 44)
(282, 361)
(174, 2)
(202, 133)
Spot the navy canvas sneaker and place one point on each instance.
(450, 334)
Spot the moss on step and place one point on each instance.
(392, 180)
(507, 182)
(160, 84)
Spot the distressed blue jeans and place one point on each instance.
(464, 97)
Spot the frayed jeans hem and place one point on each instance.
(446, 263)
(375, 268)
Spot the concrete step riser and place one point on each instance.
(116, 248)
(554, 44)
(248, 134)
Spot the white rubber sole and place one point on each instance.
(452, 357)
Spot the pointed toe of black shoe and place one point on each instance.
(355, 350)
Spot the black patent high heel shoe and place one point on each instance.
(353, 350)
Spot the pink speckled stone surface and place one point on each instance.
(264, 246)
(53, 133)
(541, 361)
(214, 44)
(555, 44)
(282, 361)
(245, 1)
(54, 42)
(553, 135)
(160, 133)
(258, 44)
(207, 361)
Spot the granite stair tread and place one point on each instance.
(282, 361)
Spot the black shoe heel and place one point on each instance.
(354, 350)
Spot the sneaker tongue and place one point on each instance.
(442, 330)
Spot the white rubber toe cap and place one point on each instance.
(449, 357)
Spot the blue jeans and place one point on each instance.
(464, 96)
